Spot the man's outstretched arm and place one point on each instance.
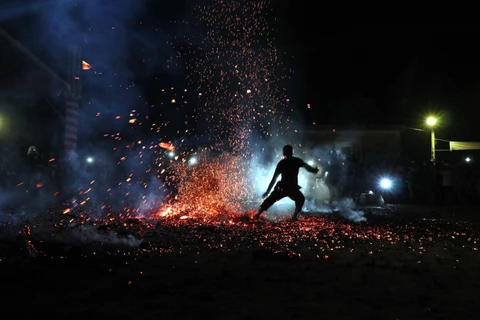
(310, 168)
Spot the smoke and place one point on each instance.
(104, 33)
(112, 38)
(121, 180)
(89, 234)
(317, 194)
(74, 234)
(24, 190)
(113, 168)
(346, 208)
(20, 8)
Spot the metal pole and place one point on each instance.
(432, 157)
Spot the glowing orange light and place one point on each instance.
(168, 146)
(86, 65)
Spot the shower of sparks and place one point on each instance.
(238, 72)
(240, 84)
(209, 189)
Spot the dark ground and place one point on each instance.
(403, 263)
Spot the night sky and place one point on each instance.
(349, 74)
(389, 74)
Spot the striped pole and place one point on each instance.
(72, 99)
(71, 124)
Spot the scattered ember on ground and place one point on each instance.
(313, 237)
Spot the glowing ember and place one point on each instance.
(315, 237)
(86, 65)
(167, 146)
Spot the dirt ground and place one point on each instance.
(402, 263)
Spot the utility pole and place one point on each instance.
(431, 122)
(72, 99)
(432, 149)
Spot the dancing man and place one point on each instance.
(288, 186)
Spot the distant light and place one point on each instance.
(431, 121)
(192, 160)
(467, 159)
(386, 183)
(171, 154)
(311, 163)
(89, 159)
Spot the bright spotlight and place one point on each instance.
(192, 160)
(311, 163)
(89, 159)
(431, 121)
(171, 154)
(467, 159)
(386, 183)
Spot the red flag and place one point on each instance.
(86, 65)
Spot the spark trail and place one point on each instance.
(240, 81)
(237, 71)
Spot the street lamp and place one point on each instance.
(386, 184)
(431, 122)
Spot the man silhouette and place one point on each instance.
(288, 186)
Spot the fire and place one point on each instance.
(165, 212)
(214, 187)
(86, 65)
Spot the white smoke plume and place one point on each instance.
(316, 192)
